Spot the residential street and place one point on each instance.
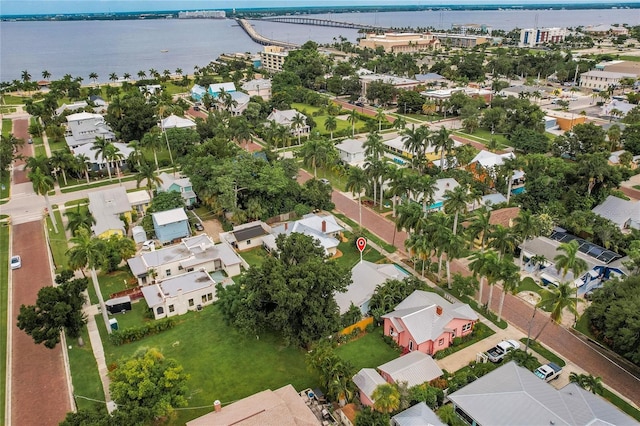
(515, 310)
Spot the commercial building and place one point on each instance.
(401, 42)
(532, 37)
(602, 80)
(272, 58)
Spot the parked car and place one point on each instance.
(548, 372)
(198, 226)
(498, 352)
(149, 245)
(16, 262)
(325, 181)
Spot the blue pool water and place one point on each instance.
(517, 190)
(436, 206)
(401, 269)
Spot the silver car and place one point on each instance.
(16, 262)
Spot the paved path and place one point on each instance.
(20, 131)
(515, 311)
(39, 387)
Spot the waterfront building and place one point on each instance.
(272, 58)
(401, 42)
(258, 87)
(602, 80)
(460, 40)
(85, 127)
(603, 30)
(532, 37)
(202, 14)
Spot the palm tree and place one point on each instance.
(80, 218)
(480, 226)
(42, 184)
(141, 74)
(93, 76)
(39, 162)
(88, 252)
(113, 77)
(103, 148)
(146, 172)
(510, 277)
(426, 187)
(559, 299)
(46, 74)
(331, 124)
(114, 155)
(153, 140)
(569, 261)
(398, 186)
(316, 152)
(456, 202)
(481, 265)
(83, 164)
(179, 72)
(454, 248)
(587, 382)
(399, 123)
(415, 141)
(353, 117)
(421, 245)
(380, 115)
(526, 226)
(442, 142)
(386, 398)
(356, 183)
(61, 161)
(297, 123)
(503, 239)
(126, 76)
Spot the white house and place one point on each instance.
(248, 235)
(602, 80)
(239, 102)
(258, 87)
(96, 161)
(624, 213)
(194, 253)
(324, 229)
(286, 117)
(179, 294)
(175, 122)
(351, 151)
(85, 127)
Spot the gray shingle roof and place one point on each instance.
(415, 368)
(619, 211)
(524, 399)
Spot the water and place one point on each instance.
(82, 47)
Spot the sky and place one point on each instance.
(23, 7)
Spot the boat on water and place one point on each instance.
(164, 50)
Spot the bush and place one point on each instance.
(389, 341)
(132, 334)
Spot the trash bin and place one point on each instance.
(113, 323)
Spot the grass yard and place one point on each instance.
(342, 125)
(255, 257)
(96, 184)
(7, 110)
(59, 145)
(5, 186)
(544, 352)
(4, 301)
(7, 126)
(528, 284)
(621, 404)
(84, 374)
(351, 255)
(111, 283)
(369, 351)
(636, 187)
(58, 243)
(229, 365)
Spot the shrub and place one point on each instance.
(132, 334)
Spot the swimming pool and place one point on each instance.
(517, 190)
(401, 269)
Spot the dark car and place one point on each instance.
(198, 226)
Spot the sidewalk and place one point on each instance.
(98, 352)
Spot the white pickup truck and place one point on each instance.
(497, 353)
(548, 372)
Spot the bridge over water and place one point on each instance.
(304, 20)
(260, 39)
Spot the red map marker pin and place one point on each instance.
(361, 243)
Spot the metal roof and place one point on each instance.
(415, 368)
(418, 415)
(367, 380)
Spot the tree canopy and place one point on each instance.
(291, 293)
(57, 308)
(148, 386)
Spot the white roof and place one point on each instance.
(137, 198)
(489, 159)
(619, 211)
(227, 87)
(257, 84)
(175, 122)
(189, 282)
(83, 116)
(367, 380)
(169, 216)
(415, 368)
(418, 315)
(284, 117)
(607, 74)
(106, 206)
(388, 79)
(418, 415)
(351, 146)
(365, 277)
(442, 186)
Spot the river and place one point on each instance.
(104, 47)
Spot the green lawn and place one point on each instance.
(227, 364)
(58, 242)
(621, 404)
(309, 110)
(7, 110)
(59, 145)
(7, 126)
(388, 247)
(480, 332)
(636, 187)
(111, 283)
(528, 284)
(84, 373)
(5, 187)
(351, 255)
(96, 184)
(369, 351)
(4, 300)
(255, 257)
